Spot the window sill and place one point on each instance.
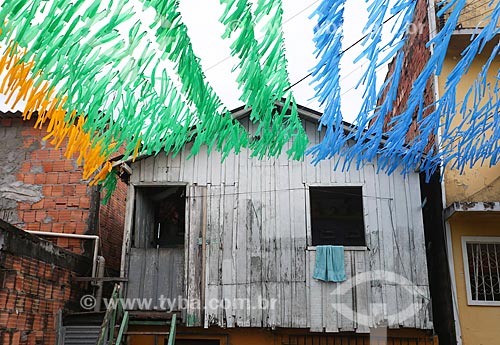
(348, 248)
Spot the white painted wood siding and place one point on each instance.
(257, 233)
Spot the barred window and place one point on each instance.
(482, 269)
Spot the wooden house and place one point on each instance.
(236, 242)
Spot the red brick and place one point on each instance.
(29, 178)
(54, 215)
(23, 206)
(40, 178)
(63, 178)
(57, 190)
(33, 226)
(47, 227)
(69, 190)
(52, 178)
(37, 205)
(73, 202)
(28, 216)
(40, 215)
(42, 155)
(84, 202)
(49, 203)
(68, 165)
(75, 177)
(58, 166)
(81, 190)
(65, 216)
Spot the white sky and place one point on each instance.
(201, 18)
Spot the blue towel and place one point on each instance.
(329, 264)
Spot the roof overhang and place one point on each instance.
(471, 207)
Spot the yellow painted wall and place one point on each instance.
(256, 336)
(481, 183)
(480, 325)
(474, 12)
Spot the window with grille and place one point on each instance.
(482, 269)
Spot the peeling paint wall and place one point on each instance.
(481, 182)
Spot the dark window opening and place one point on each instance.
(159, 219)
(337, 216)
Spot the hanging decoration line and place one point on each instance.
(107, 80)
(263, 76)
(474, 139)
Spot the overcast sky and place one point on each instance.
(201, 18)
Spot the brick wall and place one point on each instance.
(111, 225)
(415, 58)
(35, 284)
(42, 190)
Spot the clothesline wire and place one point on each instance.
(291, 189)
(341, 53)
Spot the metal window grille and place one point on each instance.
(484, 271)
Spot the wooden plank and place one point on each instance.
(137, 264)
(362, 298)
(402, 243)
(299, 302)
(331, 302)
(214, 235)
(160, 167)
(149, 168)
(150, 281)
(127, 235)
(173, 169)
(315, 297)
(193, 279)
(309, 170)
(347, 317)
(374, 231)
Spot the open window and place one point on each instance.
(337, 216)
(159, 217)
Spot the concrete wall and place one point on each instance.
(34, 284)
(479, 324)
(480, 182)
(42, 190)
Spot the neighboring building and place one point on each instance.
(231, 237)
(466, 297)
(42, 191)
(473, 210)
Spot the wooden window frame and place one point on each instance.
(476, 239)
(310, 247)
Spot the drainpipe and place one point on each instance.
(83, 237)
(101, 264)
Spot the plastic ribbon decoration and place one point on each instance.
(104, 93)
(98, 78)
(476, 137)
(263, 76)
